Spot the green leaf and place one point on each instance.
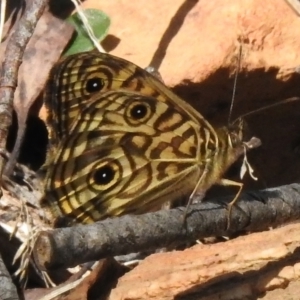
(98, 21)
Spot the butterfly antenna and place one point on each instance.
(288, 100)
(235, 81)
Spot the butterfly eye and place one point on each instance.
(138, 112)
(105, 175)
(94, 84)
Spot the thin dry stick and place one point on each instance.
(87, 26)
(9, 72)
(2, 18)
(295, 5)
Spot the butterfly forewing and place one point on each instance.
(78, 77)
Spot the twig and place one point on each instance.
(254, 211)
(8, 290)
(295, 5)
(2, 18)
(13, 58)
(87, 26)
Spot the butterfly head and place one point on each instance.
(239, 135)
(239, 143)
(234, 143)
(236, 133)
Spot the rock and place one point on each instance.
(195, 45)
(218, 271)
(192, 42)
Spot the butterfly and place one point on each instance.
(121, 142)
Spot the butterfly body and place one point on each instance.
(129, 147)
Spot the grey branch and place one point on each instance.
(254, 211)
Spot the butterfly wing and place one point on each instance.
(73, 81)
(125, 153)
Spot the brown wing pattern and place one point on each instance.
(126, 153)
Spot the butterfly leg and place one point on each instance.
(227, 182)
(200, 194)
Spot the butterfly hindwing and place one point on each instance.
(137, 142)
